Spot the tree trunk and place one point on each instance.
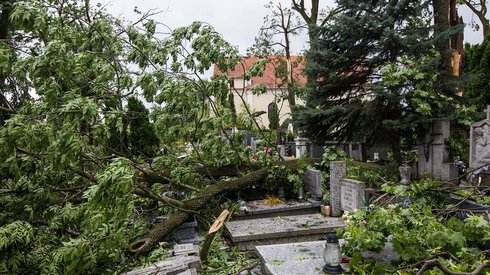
(4, 35)
(4, 20)
(396, 147)
(441, 22)
(162, 230)
(486, 28)
(159, 233)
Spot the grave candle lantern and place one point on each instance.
(332, 255)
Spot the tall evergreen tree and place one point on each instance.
(477, 69)
(142, 138)
(375, 69)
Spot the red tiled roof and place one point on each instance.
(268, 78)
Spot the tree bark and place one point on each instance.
(162, 230)
(396, 147)
(4, 35)
(159, 233)
(441, 22)
(4, 20)
(152, 177)
(430, 263)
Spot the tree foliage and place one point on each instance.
(72, 181)
(12, 92)
(422, 229)
(142, 138)
(377, 72)
(477, 71)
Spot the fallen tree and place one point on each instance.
(78, 176)
(194, 204)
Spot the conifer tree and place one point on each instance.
(142, 138)
(375, 68)
(477, 68)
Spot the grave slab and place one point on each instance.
(191, 271)
(307, 257)
(246, 234)
(293, 258)
(170, 266)
(259, 209)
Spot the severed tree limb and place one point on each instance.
(218, 223)
(163, 229)
(434, 262)
(7, 110)
(152, 177)
(426, 260)
(252, 265)
(146, 193)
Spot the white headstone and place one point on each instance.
(352, 195)
(480, 142)
(282, 150)
(301, 146)
(405, 174)
(254, 144)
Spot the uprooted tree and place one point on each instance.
(73, 190)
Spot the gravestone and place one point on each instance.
(255, 142)
(352, 195)
(307, 257)
(312, 180)
(405, 174)
(434, 161)
(480, 142)
(338, 171)
(316, 151)
(187, 233)
(357, 151)
(282, 150)
(248, 138)
(301, 147)
(246, 234)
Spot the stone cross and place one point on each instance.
(488, 112)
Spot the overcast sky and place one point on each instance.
(237, 20)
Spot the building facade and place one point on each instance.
(274, 83)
